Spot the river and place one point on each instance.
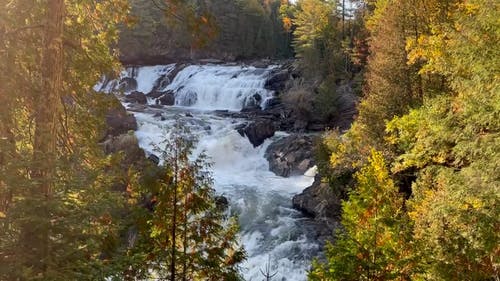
(272, 232)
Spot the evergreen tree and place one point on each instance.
(188, 236)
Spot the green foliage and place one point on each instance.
(58, 233)
(448, 144)
(375, 244)
(453, 141)
(317, 38)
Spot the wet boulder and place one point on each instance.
(154, 159)
(161, 83)
(272, 103)
(221, 202)
(154, 94)
(168, 98)
(127, 84)
(292, 155)
(258, 131)
(277, 81)
(252, 102)
(319, 201)
(136, 97)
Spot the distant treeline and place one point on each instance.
(228, 30)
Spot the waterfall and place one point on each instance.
(272, 232)
(220, 87)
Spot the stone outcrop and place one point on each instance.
(118, 122)
(292, 155)
(126, 143)
(154, 94)
(277, 80)
(257, 132)
(320, 202)
(136, 97)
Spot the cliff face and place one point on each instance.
(243, 29)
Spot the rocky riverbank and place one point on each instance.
(288, 156)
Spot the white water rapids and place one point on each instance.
(271, 231)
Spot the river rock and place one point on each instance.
(154, 94)
(118, 122)
(168, 98)
(154, 159)
(126, 143)
(272, 103)
(319, 201)
(292, 155)
(258, 131)
(136, 97)
(277, 81)
(127, 84)
(252, 102)
(161, 83)
(221, 202)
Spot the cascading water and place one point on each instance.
(273, 233)
(219, 87)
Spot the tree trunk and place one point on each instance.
(174, 213)
(7, 150)
(46, 114)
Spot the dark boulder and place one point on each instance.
(292, 155)
(319, 201)
(241, 129)
(136, 97)
(119, 122)
(273, 103)
(258, 131)
(126, 143)
(252, 102)
(168, 98)
(221, 202)
(161, 83)
(155, 94)
(127, 84)
(277, 81)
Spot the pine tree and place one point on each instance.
(188, 236)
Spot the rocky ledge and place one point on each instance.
(320, 202)
(292, 155)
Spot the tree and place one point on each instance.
(188, 236)
(375, 243)
(452, 142)
(441, 141)
(57, 205)
(317, 41)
